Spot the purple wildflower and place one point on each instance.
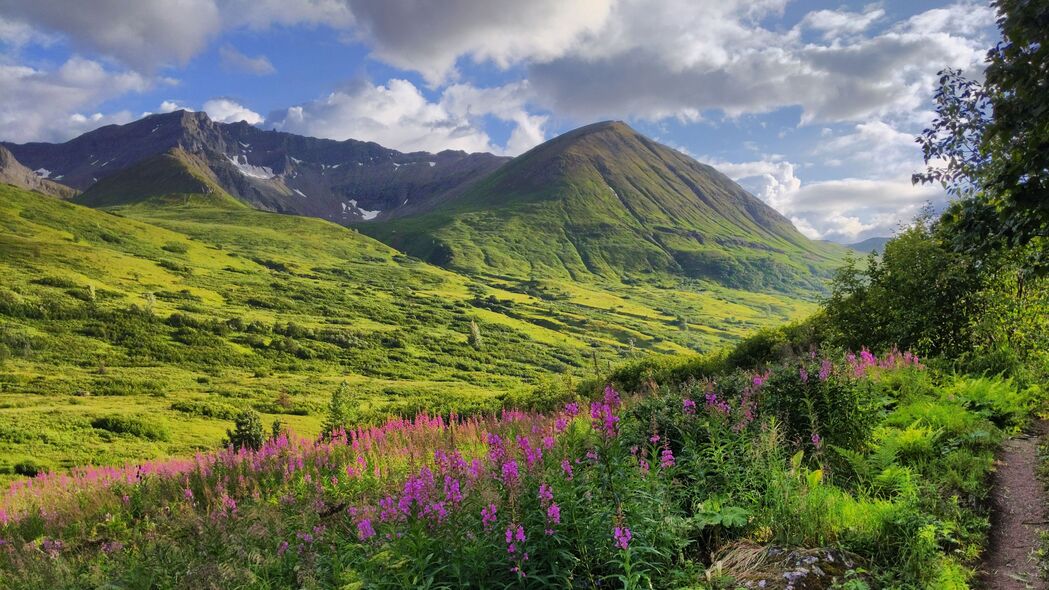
(622, 536)
(489, 515)
(666, 458)
(566, 466)
(365, 530)
(688, 407)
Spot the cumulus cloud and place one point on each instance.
(225, 110)
(834, 24)
(170, 106)
(144, 34)
(237, 61)
(38, 104)
(843, 210)
(652, 61)
(429, 37)
(397, 115)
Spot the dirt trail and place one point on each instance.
(1019, 516)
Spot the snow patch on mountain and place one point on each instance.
(365, 214)
(250, 170)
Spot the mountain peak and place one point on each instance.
(604, 200)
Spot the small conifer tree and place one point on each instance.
(247, 431)
(338, 411)
(474, 339)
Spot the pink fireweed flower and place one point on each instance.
(716, 405)
(282, 548)
(561, 424)
(496, 449)
(514, 534)
(666, 458)
(825, 368)
(817, 441)
(572, 409)
(489, 515)
(654, 439)
(603, 418)
(451, 490)
(566, 466)
(622, 536)
(546, 495)
(553, 518)
(548, 442)
(510, 472)
(803, 374)
(187, 494)
(688, 407)
(612, 397)
(365, 530)
(643, 466)
(759, 379)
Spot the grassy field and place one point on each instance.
(140, 331)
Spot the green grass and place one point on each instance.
(178, 311)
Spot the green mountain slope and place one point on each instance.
(169, 177)
(604, 202)
(172, 313)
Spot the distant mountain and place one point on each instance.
(343, 181)
(14, 173)
(605, 201)
(870, 245)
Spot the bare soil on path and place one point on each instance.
(1018, 518)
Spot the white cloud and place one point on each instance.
(37, 104)
(429, 37)
(224, 110)
(680, 58)
(834, 24)
(843, 210)
(144, 34)
(237, 61)
(397, 115)
(170, 106)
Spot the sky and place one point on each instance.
(812, 106)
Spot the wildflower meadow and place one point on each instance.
(873, 466)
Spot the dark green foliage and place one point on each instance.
(134, 426)
(919, 296)
(247, 431)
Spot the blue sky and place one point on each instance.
(812, 106)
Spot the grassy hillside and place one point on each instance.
(603, 203)
(139, 332)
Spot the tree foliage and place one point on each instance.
(989, 143)
(920, 296)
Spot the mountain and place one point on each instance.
(343, 181)
(14, 173)
(604, 201)
(870, 245)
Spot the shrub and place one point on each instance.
(139, 427)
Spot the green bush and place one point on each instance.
(134, 426)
